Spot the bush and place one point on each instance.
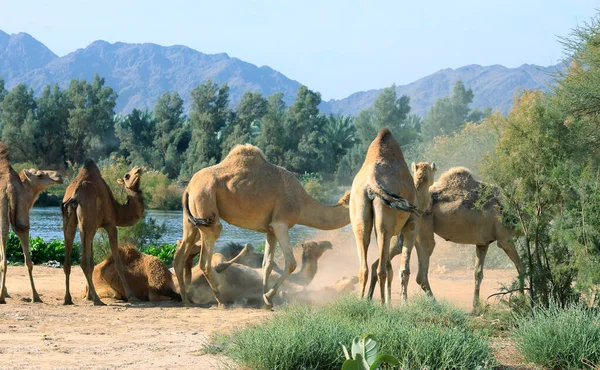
(560, 338)
(41, 251)
(423, 334)
(165, 252)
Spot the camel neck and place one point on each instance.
(321, 216)
(130, 213)
(306, 274)
(423, 198)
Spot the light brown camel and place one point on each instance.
(89, 203)
(18, 193)
(423, 175)
(240, 283)
(311, 252)
(465, 211)
(147, 276)
(383, 196)
(247, 191)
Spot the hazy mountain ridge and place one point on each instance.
(139, 73)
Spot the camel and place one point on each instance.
(465, 211)
(249, 192)
(18, 193)
(250, 258)
(237, 282)
(147, 276)
(89, 203)
(383, 194)
(423, 178)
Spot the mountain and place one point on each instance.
(493, 86)
(139, 73)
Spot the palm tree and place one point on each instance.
(338, 137)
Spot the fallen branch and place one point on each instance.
(507, 292)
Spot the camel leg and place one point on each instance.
(3, 257)
(409, 232)
(69, 229)
(423, 273)
(88, 269)
(481, 251)
(268, 260)
(509, 248)
(361, 216)
(24, 238)
(395, 249)
(182, 255)
(385, 223)
(281, 232)
(210, 234)
(113, 239)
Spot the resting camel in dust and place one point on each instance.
(249, 192)
(151, 280)
(423, 178)
(18, 193)
(240, 283)
(465, 211)
(383, 196)
(89, 203)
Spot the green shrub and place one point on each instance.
(164, 251)
(422, 334)
(40, 250)
(560, 338)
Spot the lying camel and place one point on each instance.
(150, 280)
(18, 193)
(148, 277)
(238, 282)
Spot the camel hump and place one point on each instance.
(4, 154)
(89, 164)
(246, 150)
(385, 134)
(456, 178)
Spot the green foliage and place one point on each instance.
(245, 127)
(365, 355)
(40, 250)
(136, 132)
(448, 115)
(422, 334)
(172, 137)
(560, 338)
(163, 251)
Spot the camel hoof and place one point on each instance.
(133, 299)
(37, 300)
(68, 303)
(99, 303)
(268, 302)
(2, 301)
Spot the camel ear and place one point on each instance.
(433, 166)
(29, 174)
(413, 167)
(120, 182)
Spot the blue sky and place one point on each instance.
(335, 47)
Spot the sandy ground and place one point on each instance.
(161, 335)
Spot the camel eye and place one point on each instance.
(127, 177)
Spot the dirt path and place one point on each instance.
(119, 335)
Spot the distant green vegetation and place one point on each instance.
(40, 250)
(423, 334)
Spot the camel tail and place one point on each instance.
(67, 208)
(194, 220)
(391, 200)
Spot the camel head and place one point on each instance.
(314, 250)
(131, 180)
(423, 173)
(40, 180)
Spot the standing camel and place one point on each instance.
(18, 193)
(465, 211)
(89, 203)
(382, 196)
(247, 191)
(423, 178)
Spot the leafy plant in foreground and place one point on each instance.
(365, 355)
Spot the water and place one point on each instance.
(46, 222)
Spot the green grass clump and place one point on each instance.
(560, 338)
(41, 251)
(423, 334)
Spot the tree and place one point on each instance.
(388, 110)
(272, 138)
(338, 138)
(19, 124)
(246, 125)
(136, 133)
(90, 124)
(449, 114)
(172, 137)
(208, 115)
(52, 116)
